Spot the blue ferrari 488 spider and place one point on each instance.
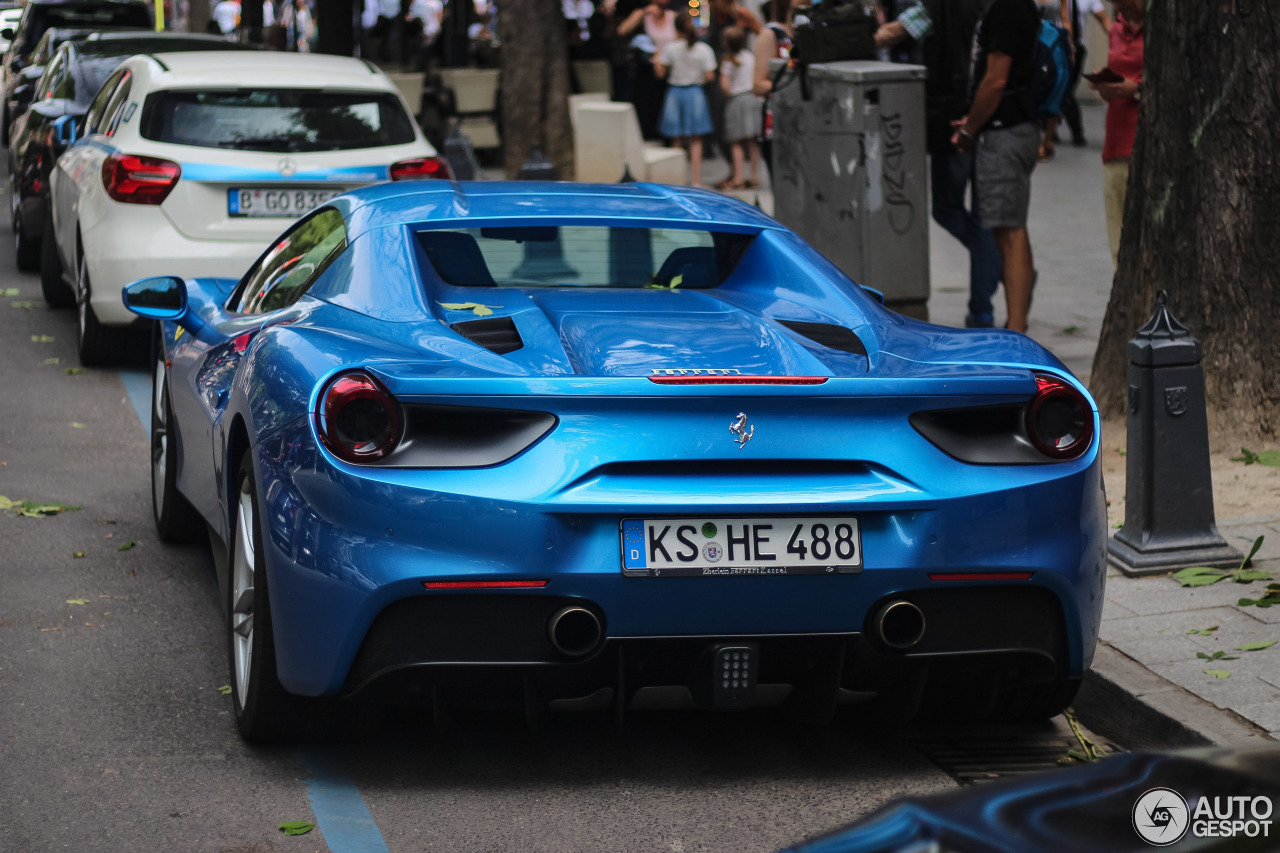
(571, 447)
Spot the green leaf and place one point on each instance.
(1246, 602)
(126, 546)
(53, 361)
(5, 503)
(1203, 656)
(42, 339)
(296, 827)
(1196, 570)
(1071, 330)
(1122, 451)
(474, 307)
(1203, 632)
(1217, 673)
(76, 371)
(1202, 580)
(1251, 575)
(1255, 647)
(77, 601)
(1269, 457)
(10, 291)
(77, 425)
(25, 304)
(225, 690)
(1257, 543)
(77, 554)
(1247, 456)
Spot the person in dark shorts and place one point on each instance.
(1005, 139)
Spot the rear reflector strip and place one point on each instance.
(980, 576)
(484, 584)
(738, 380)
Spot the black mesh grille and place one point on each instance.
(496, 334)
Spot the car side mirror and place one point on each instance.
(66, 130)
(875, 294)
(160, 298)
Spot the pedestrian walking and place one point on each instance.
(1005, 137)
(1121, 89)
(942, 31)
(773, 42)
(687, 65)
(742, 110)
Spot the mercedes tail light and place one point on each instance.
(139, 180)
(358, 419)
(419, 168)
(1059, 419)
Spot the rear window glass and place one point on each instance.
(583, 256)
(94, 17)
(276, 120)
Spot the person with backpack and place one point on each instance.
(942, 33)
(1002, 130)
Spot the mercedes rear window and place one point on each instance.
(583, 256)
(276, 119)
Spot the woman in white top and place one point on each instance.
(687, 65)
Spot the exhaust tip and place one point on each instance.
(899, 625)
(575, 631)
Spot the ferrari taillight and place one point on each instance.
(419, 168)
(358, 419)
(1059, 419)
(139, 180)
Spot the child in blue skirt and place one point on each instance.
(688, 65)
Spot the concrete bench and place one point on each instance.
(607, 142)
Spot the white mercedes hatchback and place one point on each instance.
(192, 163)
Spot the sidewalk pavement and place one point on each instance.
(1147, 686)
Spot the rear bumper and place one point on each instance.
(347, 558)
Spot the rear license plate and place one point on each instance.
(708, 547)
(245, 201)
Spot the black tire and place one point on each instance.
(176, 520)
(97, 344)
(26, 251)
(55, 290)
(265, 712)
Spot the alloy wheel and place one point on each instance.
(242, 571)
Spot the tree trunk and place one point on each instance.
(535, 84)
(1203, 208)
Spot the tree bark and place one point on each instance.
(1203, 208)
(535, 85)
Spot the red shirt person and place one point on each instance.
(1124, 57)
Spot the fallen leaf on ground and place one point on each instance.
(1255, 647)
(1217, 673)
(53, 361)
(25, 304)
(10, 291)
(77, 553)
(77, 601)
(42, 339)
(77, 425)
(126, 546)
(296, 827)
(50, 629)
(225, 690)
(76, 371)
(1203, 632)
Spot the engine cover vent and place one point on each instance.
(496, 334)
(829, 335)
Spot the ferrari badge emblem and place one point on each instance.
(741, 433)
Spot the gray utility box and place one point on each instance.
(849, 173)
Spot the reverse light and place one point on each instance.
(139, 180)
(420, 168)
(358, 419)
(1059, 420)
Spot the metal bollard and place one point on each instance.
(1168, 514)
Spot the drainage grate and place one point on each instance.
(975, 754)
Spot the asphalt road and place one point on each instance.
(115, 737)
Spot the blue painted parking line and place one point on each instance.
(340, 811)
(137, 384)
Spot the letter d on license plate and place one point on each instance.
(710, 547)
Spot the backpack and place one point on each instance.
(1052, 71)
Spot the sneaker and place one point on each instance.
(979, 321)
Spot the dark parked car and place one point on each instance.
(19, 96)
(72, 77)
(41, 15)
